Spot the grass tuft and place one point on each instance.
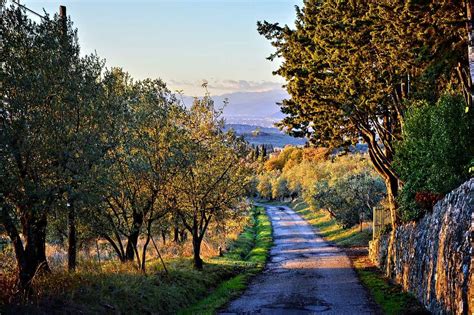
(250, 251)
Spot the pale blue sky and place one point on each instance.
(181, 41)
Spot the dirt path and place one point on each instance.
(304, 275)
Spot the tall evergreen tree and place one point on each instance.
(350, 65)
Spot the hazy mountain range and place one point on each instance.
(250, 108)
(253, 115)
(258, 135)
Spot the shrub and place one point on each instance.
(280, 188)
(350, 197)
(289, 155)
(264, 186)
(434, 156)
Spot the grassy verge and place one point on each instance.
(250, 250)
(389, 297)
(117, 288)
(120, 288)
(329, 228)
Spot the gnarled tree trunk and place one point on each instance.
(30, 255)
(133, 237)
(72, 237)
(34, 231)
(381, 157)
(197, 252)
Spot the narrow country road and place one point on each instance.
(304, 275)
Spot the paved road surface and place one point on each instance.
(304, 275)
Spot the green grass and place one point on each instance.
(390, 297)
(329, 228)
(120, 288)
(128, 291)
(250, 250)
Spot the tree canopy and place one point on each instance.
(350, 66)
(88, 152)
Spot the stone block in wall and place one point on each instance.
(433, 258)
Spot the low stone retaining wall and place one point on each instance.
(433, 258)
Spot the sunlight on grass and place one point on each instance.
(114, 287)
(390, 298)
(130, 292)
(249, 251)
(330, 230)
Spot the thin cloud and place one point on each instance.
(227, 86)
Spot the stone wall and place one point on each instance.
(433, 258)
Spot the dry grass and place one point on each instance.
(8, 278)
(114, 287)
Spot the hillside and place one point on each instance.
(265, 135)
(243, 106)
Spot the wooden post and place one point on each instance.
(62, 11)
(98, 251)
(470, 34)
(159, 255)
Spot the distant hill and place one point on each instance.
(255, 104)
(249, 104)
(247, 111)
(252, 121)
(258, 135)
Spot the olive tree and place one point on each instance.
(213, 175)
(49, 121)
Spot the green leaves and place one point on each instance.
(352, 66)
(350, 197)
(105, 155)
(343, 60)
(436, 150)
(49, 93)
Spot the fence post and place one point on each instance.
(374, 219)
